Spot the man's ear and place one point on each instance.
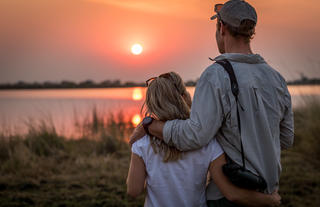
(222, 29)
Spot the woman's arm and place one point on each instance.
(238, 195)
(136, 176)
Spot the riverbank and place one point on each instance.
(114, 84)
(42, 168)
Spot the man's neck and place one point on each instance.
(236, 46)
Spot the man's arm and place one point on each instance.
(287, 123)
(238, 195)
(205, 119)
(156, 128)
(136, 176)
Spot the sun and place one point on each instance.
(136, 119)
(136, 49)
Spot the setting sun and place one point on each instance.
(136, 49)
(137, 94)
(136, 120)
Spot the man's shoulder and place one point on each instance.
(214, 73)
(213, 69)
(277, 75)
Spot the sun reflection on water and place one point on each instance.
(136, 119)
(137, 94)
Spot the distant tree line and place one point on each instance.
(305, 81)
(69, 84)
(115, 84)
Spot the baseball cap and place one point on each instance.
(233, 12)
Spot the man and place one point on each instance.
(266, 112)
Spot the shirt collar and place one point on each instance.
(244, 58)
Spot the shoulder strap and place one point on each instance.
(235, 90)
(234, 83)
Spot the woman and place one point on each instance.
(175, 178)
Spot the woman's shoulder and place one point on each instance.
(141, 145)
(144, 141)
(142, 148)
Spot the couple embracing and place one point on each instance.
(223, 148)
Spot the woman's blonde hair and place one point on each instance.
(165, 101)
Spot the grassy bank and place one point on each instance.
(42, 168)
(300, 180)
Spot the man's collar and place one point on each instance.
(243, 58)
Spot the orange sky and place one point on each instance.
(90, 39)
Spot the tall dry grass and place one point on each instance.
(42, 168)
(300, 180)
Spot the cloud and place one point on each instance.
(190, 8)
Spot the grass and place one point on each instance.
(42, 168)
(300, 180)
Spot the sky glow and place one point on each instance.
(55, 40)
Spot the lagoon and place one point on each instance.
(63, 107)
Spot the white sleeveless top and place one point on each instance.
(176, 183)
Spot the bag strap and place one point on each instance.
(235, 91)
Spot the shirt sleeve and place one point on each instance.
(216, 150)
(287, 123)
(205, 119)
(136, 149)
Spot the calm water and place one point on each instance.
(63, 106)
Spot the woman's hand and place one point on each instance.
(137, 134)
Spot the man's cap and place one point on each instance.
(233, 12)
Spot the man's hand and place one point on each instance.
(137, 134)
(155, 129)
(276, 198)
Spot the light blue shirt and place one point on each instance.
(266, 122)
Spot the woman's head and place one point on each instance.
(167, 99)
